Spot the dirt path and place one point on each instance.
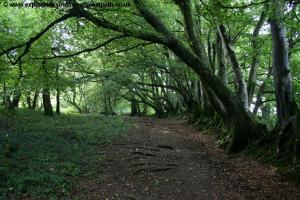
(166, 159)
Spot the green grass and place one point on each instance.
(42, 157)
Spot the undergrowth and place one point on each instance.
(42, 157)
(264, 149)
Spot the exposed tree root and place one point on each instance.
(151, 169)
(163, 146)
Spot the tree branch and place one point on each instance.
(244, 6)
(28, 44)
(130, 48)
(85, 50)
(191, 29)
(157, 38)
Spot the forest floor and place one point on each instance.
(167, 159)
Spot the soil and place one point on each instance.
(164, 159)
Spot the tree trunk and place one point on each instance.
(260, 92)
(134, 109)
(35, 99)
(197, 92)
(17, 93)
(281, 74)
(145, 110)
(266, 111)
(48, 111)
(57, 102)
(256, 50)
(240, 85)
(192, 30)
(211, 50)
(222, 71)
(57, 91)
(28, 101)
(285, 102)
(16, 99)
(8, 103)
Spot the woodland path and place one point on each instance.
(165, 159)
